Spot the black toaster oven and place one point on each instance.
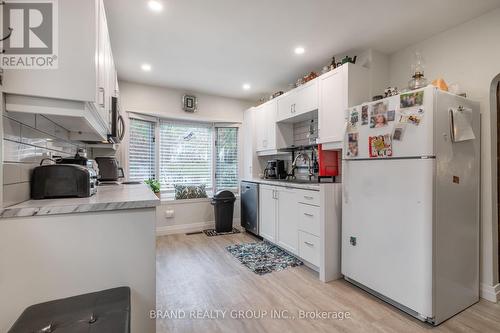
(63, 181)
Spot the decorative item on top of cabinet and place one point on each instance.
(277, 94)
(333, 64)
(391, 91)
(189, 103)
(310, 76)
(348, 59)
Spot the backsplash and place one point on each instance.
(27, 139)
(301, 131)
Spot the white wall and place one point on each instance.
(167, 102)
(43, 258)
(469, 55)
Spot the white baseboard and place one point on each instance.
(490, 293)
(190, 227)
(183, 228)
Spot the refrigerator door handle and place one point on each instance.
(345, 177)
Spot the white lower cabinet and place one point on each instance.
(309, 219)
(283, 218)
(287, 222)
(267, 212)
(309, 246)
(305, 223)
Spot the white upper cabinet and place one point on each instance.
(270, 136)
(250, 161)
(332, 103)
(339, 89)
(86, 71)
(298, 101)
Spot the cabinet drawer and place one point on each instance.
(309, 247)
(308, 197)
(309, 219)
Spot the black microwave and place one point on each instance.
(117, 124)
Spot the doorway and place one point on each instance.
(498, 170)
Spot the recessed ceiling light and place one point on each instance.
(155, 6)
(299, 50)
(146, 67)
(246, 86)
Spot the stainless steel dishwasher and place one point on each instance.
(250, 207)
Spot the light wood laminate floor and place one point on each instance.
(195, 272)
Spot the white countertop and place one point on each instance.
(303, 186)
(108, 197)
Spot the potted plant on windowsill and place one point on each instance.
(154, 185)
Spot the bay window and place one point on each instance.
(187, 153)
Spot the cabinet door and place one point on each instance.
(270, 124)
(288, 219)
(332, 107)
(75, 78)
(286, 106)
(260, 128)
(307, 98)
(267, 212)
(102, 62)
(248, 143)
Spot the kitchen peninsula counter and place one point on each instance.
(57, 248)
(107, 198)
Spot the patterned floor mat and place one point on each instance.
(212, 232)
(263, 257)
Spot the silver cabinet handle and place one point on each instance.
(308, 197)
(308, 243)
(308, 214)
(102, 96)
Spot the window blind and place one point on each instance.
(141, 160)
(226, 164)
(185, 154)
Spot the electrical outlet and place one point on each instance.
(169, 213)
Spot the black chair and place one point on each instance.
(106, 311)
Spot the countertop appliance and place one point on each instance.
(410, 212)
(63, 181)
(250, 206)
(79, 160)
(109, 169)
(328, 161)
(275, 169)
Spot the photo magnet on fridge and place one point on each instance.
(411, 99)
(380, 146)
(364, 115)
(378, 117)
(352, 139)
(398, 132)
(353, 120)
(391, 115)
(410, 119)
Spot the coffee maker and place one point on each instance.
(275, 169)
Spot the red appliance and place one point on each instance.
(328, 163)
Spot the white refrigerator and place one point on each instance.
(410, 213)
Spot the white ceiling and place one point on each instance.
(214, 46)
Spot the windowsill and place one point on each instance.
(169, 198)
